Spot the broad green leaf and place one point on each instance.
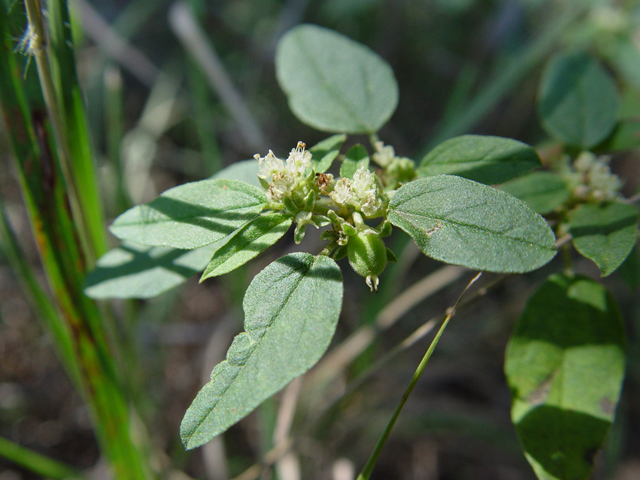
(333, 83)
(625, 55)
(291, 310)
(565, 366)
(192, 215)
(605, 233)
(248, 242)
(484, 159)
(625, 136)
(325, 152)
(462, 222)
(578, 100)
(355, 158)
(542, 191)
(134, 271)
(244, 171)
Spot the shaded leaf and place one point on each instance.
(325, 152)
(484, 159)
(578, 100)
(605, 233)
(291, 310)
(542, 191)
(355, 158)
(191, 215)
(333, 83)
(248, 242)
(565, 366)
(630, 269)
(462, 222)
(135, 271)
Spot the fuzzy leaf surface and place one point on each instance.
(565, 365)
(291, 310)
(542, 191)
(484, 159)
(191, 215)
(462, 222)
(333, 83)
(247, 243)
(605, 234)
(578, 100)
(355, 158)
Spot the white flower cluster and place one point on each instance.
(595, 179)
(384, 154)
(283, 178)
(362, 192)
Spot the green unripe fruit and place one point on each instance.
(367, 256)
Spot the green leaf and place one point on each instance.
(630, 269)
(291, 310)
(248, 242)
(578, 100)
(325, 152)
(333, 83)
(542, 191)
(356, 157)
(244, 171)
(565, 366)
(462, 222)
(605, 233)
(484, 159)
(192, 215)
(625, 55)
(134, 271)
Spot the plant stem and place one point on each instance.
(368, 468)
(37, 463)
(37, 47)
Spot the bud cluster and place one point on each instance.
(591, 179)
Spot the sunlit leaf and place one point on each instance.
(565, 365)
(333, 83)
(248, 242)
(462, 222)
(191, 215)
(291, 310)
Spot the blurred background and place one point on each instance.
(176, 91)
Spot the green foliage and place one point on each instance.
(326, 151)
(578, 100)
(355, 158)
(542, 191)
(135, 271)
(484, 159)
(462, 222)
(291, 310)
(191, 215)
(605, 233)
(333, 83)
(565, 365)
(248, 242)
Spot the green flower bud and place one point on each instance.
(367, 256)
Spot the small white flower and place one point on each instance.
(384, 155)
(269, 165)
(299, 160)
(283, 178)
(342, 193)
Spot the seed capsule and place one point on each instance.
(367, 256)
